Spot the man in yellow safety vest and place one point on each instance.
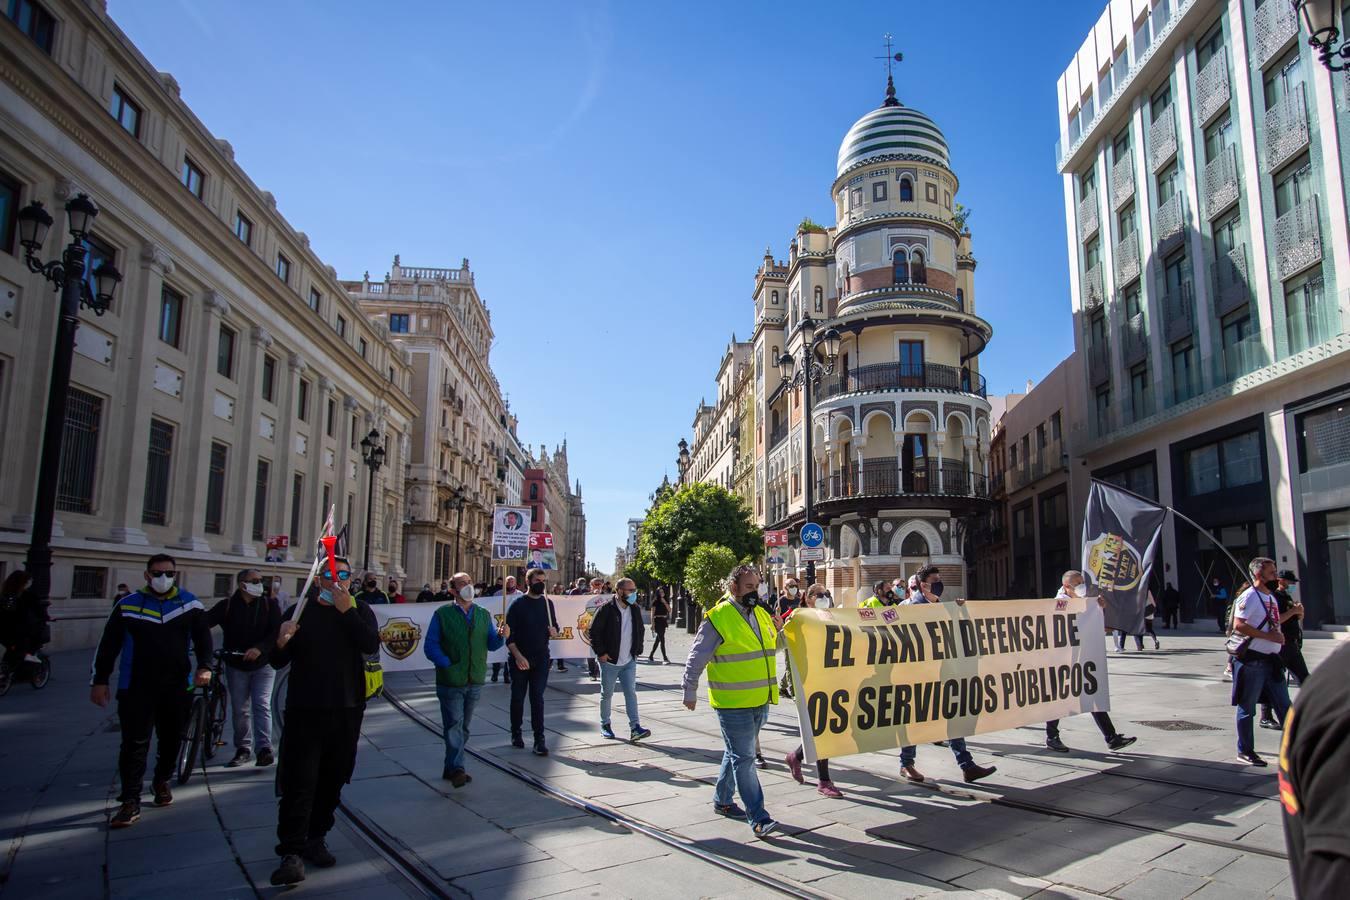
(737, 644)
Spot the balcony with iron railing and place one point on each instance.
(1162, 140)
(885, 477)
(1231, 287)
(1169, 221)
(1211, 88)
(778, 435)
(1178, 309)
(1094, 292)
(1274, 26)
(1122, 181)
(1220, 183)
(903, 377)
(1287, 129)
(1134, 339)
(1099, 363)
(1088, 219)
(1128, 264)
(1298, 239)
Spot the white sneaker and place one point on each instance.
(28, 657)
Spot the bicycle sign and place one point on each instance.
(812, 535)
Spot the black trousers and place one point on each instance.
(1170, 617)
(659, 640)
(1103, 720)
(140, 712)
(532, 681)
(497, 669)
(318, 755)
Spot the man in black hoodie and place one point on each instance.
(616, 638)
(249, 620)
(325, 700)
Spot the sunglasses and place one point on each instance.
(169, 572)
(344, 575)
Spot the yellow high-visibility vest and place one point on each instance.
(742, 673)
(872, 602)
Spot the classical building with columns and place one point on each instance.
(901, 427)
(222, 399)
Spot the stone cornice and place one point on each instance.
(882, 220)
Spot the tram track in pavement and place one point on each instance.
(1048, 809)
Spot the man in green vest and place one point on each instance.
(457, 643)
(737, 644)
(881, 596)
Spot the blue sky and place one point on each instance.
(613, 171)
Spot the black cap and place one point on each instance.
(1289, 576)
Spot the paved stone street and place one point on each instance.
(1175, 816)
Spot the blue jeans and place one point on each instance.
(457, 705)
(1249, 680)
(251, 706)
(740, 728)
(626, 675)
(958, 748)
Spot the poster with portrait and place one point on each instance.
(542, 555)
(510, 534)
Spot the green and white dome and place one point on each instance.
(892, 130)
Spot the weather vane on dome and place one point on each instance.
(890, 80)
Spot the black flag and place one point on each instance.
(1121, 532)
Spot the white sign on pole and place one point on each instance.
(510, 534)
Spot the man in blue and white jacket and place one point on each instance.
(148, 637)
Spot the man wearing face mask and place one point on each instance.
(737, 643)
(249, 621)
(371, 593)
(616, 638)
(530, 623)
(325, 702)
(1071, 584)
(928, 589)
(148, 636)
(457, 643)
(881, 594)
(1291, 652)
(790, 598)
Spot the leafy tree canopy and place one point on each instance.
(691, 515)
(706, 572)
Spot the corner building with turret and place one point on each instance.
(900, 427)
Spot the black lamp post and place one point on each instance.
(455, 502)
(68, 276)
(683, 617)
(1319, 17)
(372, 454)
(810, 369)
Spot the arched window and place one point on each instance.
(906, 190)
(775, 298)
(961, 300)
(900, 265)
(918, 274)
(914, 545)
(820, 299)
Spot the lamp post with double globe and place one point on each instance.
(372, 454)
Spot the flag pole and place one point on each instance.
(325, 531)
(1182, 516)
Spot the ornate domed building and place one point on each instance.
(899, 437)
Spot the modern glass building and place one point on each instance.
(1203, 147)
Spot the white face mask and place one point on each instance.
(466, 592)
(161, 584)
(822, 603)
(253, 590)
(1080, 590)
(792, 591)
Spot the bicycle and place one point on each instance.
(14, 667)
(206, 719)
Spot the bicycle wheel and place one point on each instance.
(215, 719)
(192, 739)
(43, 674)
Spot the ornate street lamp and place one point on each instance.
(372, 454)
(455, 503)
(67, 275)
(809, 370)
(1319, 18)
(683, 619)
(683, 459)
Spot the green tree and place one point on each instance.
(641, 576)
(696, 514)
(706, 572)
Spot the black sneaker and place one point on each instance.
(265, 757)
(760, 762)
(518, 742)
(291, 871)
(607, 732)
(1251, 759)
(1271, 724)
(730, 810)
(974, 773)
(317, 852)
(639, 733)
(240, 758)
(540, 749)
(1120, 742)
(128, 815)
(1056, 745)
(163, 796)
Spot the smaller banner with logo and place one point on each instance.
(276, 548)
(1121, 533)
(775, 548)
(510, 534)
(542, 554)
(403, 628)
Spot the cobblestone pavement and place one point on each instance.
(1173, 816)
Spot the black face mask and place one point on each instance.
(935, 589)
(370, 585)
(536, 587)
(750, 598)
(1272, 586)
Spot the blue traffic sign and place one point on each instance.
(812, 535)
